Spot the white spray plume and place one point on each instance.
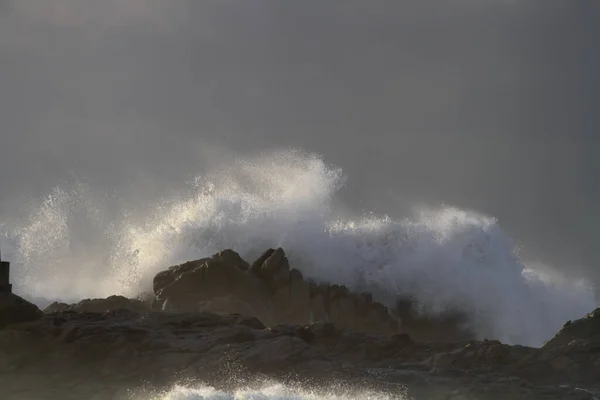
(74, 245)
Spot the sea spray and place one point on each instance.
(271, 392)
(79, 242)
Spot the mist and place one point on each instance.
(487, 106)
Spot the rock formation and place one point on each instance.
(14, 309)
(69, 354)
(223, 321)
(100, 305)
(268, 290)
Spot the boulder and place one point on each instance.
(230, 257)
(196, 285)
(100, 305)
(166, 278)
(204, 279)
(128, 355)
(268, 290)
(228, 305)
(189, 277)
(273, 266)
(257, 265)
(15, 309)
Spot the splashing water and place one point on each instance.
(74, 245)
(274, 392)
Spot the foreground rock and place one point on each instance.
(14, 309)
(100, 305)
(226, 322)
(271, 291)
(268, 290)
(75, 355)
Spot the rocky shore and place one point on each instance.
(227, 322)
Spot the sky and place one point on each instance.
(485, 105)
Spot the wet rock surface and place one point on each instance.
(224, 321)
(67, 354)
(269, 290)
(100, 305)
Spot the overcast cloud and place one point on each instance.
(488, 105)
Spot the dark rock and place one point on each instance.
(14, 309)
(257, 265)
(99, 305)
(268, 290)
(231, 257)
(67, 352)
(165, 278)
(587, 328)
(274, 267)
(253, 323)
(296, 275)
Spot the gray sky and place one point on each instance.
(489, 105)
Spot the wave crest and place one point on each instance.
(79, 243)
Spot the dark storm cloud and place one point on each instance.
(489, 105)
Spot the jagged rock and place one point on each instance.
(228, 305)
(257, 265)
(188, 277)
(14, 309)
(107, 355)
(273, 265)
(166, 278)
(296, 275)
(253, 323)
(574, 333)
(230, 257)
(225, 273)
(100, 305)
(268, 290)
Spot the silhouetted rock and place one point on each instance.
(99, 305)
(268, 290)
(14, 309)
(573, 332)
(98, 355)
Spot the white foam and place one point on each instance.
(74, 245)
(273, 392)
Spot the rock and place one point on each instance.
(268, 290)
(100, 305)
(257, 265)
(587, 328)
(15, 309)
(209, 279)
(228, 305)
(296, 275)
(58, 307)
(275, 266)
(165, 278)
(561, 363)
(230, 257)
(253, 323)
(69, 352)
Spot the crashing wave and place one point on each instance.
(76, 243)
